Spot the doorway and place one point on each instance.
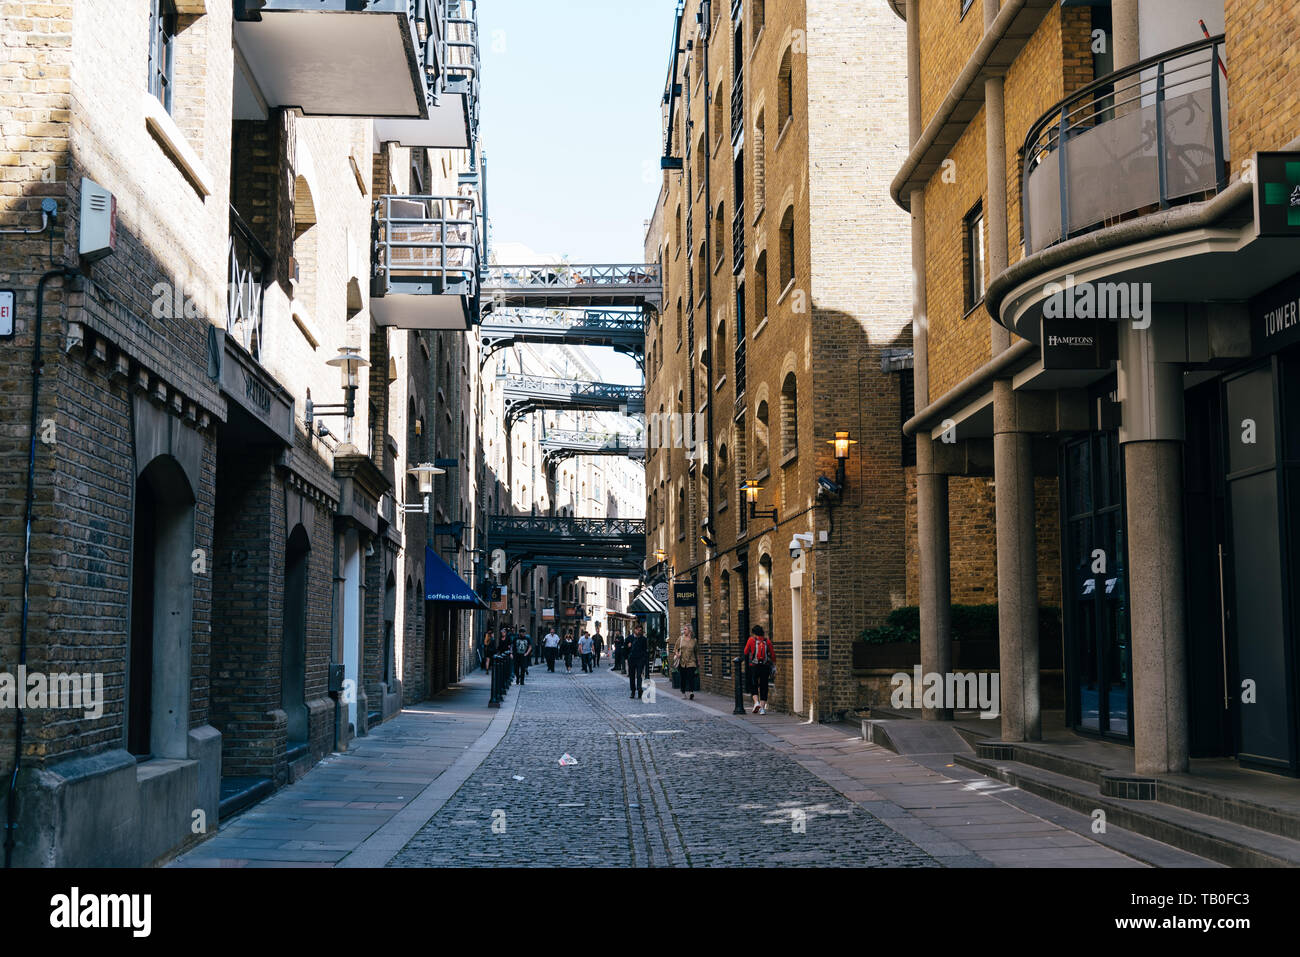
(1099, 692)
(293, 651)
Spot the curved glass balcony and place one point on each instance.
(426, 266)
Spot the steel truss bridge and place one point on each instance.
(528, 393)
(558, 445)
(564, 286)
(621, 330)
(596, 547)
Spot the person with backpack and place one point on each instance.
(758, 652)
(523, 651)
(636, 654)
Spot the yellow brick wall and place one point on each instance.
(947, 41)
(1263, 60)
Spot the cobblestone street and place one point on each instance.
(657, 783)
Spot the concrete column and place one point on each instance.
(936, 588)
(991, 8)
(915, 123)
(920, 325)
(1124, 27)
(1151, 438)
(995, 139)
(1017, 570)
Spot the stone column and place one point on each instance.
(936, 590)
(1151, 437)
(1017, 570)
(995, 139)
(1124, 32)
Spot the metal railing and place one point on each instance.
(739, 372)
(563, 274)
(545, 386)
(249, 263)
(738, 240)
(461, 62)
(570, 526)
(737, 107)
(613, 320)
(1132, 142)
(423, 238)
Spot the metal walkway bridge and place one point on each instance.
(562, 286)
(528, 393)
(559, 444)
(621, 330)
(596, 547)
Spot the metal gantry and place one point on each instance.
(600, 547)
(565, 444)
(528, 393)
(564, 286)
(618, 329)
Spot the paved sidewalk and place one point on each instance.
(351, 808)
(956, 815)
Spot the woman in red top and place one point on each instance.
(758, 652)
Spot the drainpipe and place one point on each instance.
(11, 803)
(708, 277)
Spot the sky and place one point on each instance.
(571, 119)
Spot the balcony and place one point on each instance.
(335, 57)
(426, 266)
(738, 240)
(248, 266)
(1132, 143)
(453, 118)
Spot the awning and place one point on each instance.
(444, 585)
(645, 603)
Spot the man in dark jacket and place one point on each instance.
(523, 651)
(636, 653)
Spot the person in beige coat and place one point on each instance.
(687, 661)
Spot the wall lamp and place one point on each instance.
(751, 489)
(349, 361)
(424, 476)
(706, 538)
(841, 443)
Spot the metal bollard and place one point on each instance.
(737, 665)
(494, 679)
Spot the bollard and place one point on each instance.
(494, 680)
(738, 664)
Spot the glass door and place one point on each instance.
(1095, 586)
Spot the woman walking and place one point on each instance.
(489, 644)
(686, 659)
(568, 652)
(758, 652)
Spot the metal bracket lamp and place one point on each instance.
(841, 442)
(424, 476)
(349, 361)
(751, 488)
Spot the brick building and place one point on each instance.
(784, 321)
(216, 523)
(1105, 270)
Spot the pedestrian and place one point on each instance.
(584, 650)
(596, 644)
(620, 654)
(523, 651)
(636, 660)
(552, 644)
(686, 661)
(566, 649)
(485, 652)
(758, 652)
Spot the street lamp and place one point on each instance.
(751, 490)
(841, 443)
(424, 477)
(349, 361)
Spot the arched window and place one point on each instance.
(760, 286)
(719, 230)
(789, 415)
(765, 593)
(706, 611)
(784, 92)
(720, 348)
(724, 472)
(787, 248)
(760, 438)
(681, 512)
(677, 232)
(718, 120)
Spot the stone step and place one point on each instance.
(1225, 842)
(240, 793)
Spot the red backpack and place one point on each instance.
(760, 650)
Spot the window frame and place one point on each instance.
(164, 26)
(972, 242)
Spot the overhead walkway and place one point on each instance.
(620, 329)
(562, 444)
(562, 286)
(597, 547)
(528, 393)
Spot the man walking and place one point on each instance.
(552, 649)
(584, 650)
(596, 644)
(523, 651)
(636, 660)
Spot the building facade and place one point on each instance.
(214, 528)
(1101, 195)
(784, 321)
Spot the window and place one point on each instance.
(724, 473)
(719, 121)
(760, 438)
(973, 255)
(760, 286)
(719, 231)
(681, 513)
(677, 233)
(789, 415)
(162, 43)
(679, 323)
(784, 93)
(787, 248)
(965, 5)
(719, 355)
